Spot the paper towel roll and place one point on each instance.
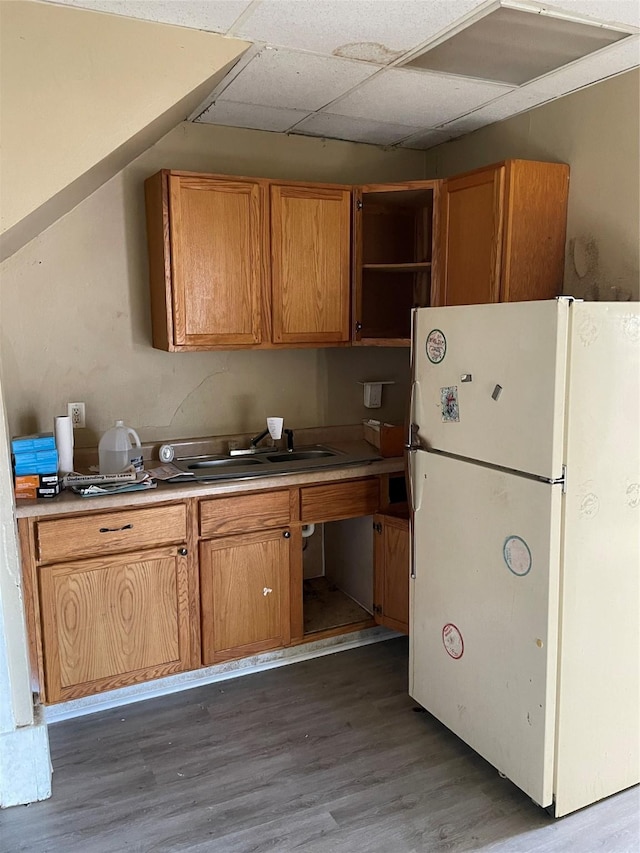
(63, 431)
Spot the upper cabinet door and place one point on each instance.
(472, 223)
(310, 246)
(503, 233)
(215, 229)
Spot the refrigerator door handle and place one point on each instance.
(413, 428)
(411, 458)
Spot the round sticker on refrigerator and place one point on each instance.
(517, 555)
(436, 346)
(452, 641)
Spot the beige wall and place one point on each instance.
(595, 131)
(81, 95)
(74, 310)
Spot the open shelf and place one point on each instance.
(413, 267)
(393, 261)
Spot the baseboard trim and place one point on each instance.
(211, 674)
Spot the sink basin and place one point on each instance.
(263, 464)
(223, 462)
(296, 455)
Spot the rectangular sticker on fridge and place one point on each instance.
(449, 404)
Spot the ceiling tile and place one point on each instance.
(607, 11)
(212, 15)
(611, 60)
(417, 98)
(353, 129)
(372, 30)
(291, 80)
(251, 115)
(428, 139)
(508, 105)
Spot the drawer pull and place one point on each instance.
(116, 529)
(183, 552)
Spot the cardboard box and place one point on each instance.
(33, 443)
(387, 438)
(31, 486)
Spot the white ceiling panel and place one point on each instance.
(335, 68)
(291, 80)
(616, 59)
(251, 115)
(213, 15)
(607, 11)
(508, 105)
(353, 129)
(428, 139)
(417, 98)
(376, 31)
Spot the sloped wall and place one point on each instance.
(82, 94)
(76, 321)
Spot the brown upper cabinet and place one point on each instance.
(310, 250)
(242, 262)
(394, 263)
(257, 263)
(503, 234)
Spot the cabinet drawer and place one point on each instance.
(110, 532)
(339, 500)
(240, 514)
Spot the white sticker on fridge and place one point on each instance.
(517, 555)
(452, 641)
(449, 404)
(436, 346)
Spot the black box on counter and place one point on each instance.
(37, 486)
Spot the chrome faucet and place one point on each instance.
(253, 442)
(274, 428)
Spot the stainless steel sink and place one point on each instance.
(217, 462)
(303, 453)
(263, 463)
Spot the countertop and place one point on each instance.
(69, 503)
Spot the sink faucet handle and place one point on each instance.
(289, 434)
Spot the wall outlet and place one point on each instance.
(76, 413)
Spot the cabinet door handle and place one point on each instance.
(116, 529)
(287, 534)
(183, 552)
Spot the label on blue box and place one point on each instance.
(33, 443)
(40, 462)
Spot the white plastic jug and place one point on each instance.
(115, 449)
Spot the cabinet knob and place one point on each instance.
(358, 326)
(287, 534)
(183, 552)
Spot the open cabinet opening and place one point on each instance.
(397, 238)
(338, 574)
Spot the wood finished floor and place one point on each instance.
(324, 755)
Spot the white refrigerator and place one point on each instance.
(524, 466)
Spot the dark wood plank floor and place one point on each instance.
(325, 755)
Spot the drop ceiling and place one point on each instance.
(338, 68)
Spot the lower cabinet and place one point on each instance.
(113, 621)
(129, 595)
(391, 557)
(244, 594)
